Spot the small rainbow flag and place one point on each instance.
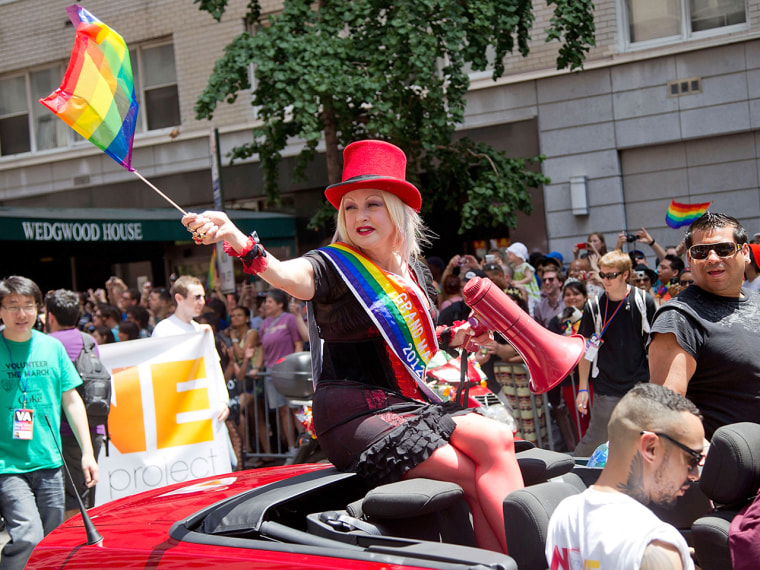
(97, 95)
(213, 273)
(680, 215)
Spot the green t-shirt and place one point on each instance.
(43, 367)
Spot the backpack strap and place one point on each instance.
(596, 313)
(641, 305)
(88, 343)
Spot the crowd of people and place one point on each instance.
(371, 310)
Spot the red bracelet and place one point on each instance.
(229, 250)
(253, 255)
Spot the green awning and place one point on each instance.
(126, 225)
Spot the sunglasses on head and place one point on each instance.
(722, 249)
(612, 275)
(695, 456)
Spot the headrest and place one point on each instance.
(732, 469)
(410, 498)
(538, 465)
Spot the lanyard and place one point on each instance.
(23, 384)
(606, 305)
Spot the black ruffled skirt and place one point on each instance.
(377, 433)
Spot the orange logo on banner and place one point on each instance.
(171, 400)
(126, 422)
(127, 413)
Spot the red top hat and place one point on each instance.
(374, 164)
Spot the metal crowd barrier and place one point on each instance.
(258, 415)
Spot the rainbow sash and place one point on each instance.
(394, 304)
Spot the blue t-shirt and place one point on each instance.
(42, 367)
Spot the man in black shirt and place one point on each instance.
(616, 326)
(705, 341)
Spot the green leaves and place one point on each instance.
(573, 21)
(343, 71)
(484, 184)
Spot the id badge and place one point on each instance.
(592, 347)
(23, 423)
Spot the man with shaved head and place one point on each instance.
(656, 445)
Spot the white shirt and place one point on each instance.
(607, 531)
(173, 325)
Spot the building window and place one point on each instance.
(14, 116)
(155, 77)
(653, 22)
(28, 126)
(25, 125)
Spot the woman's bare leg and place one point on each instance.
(491, 448)
(448, 464)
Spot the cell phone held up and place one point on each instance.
(581, 245)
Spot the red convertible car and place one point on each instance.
(282, 517)
(301, 516)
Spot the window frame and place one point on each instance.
(138, 76)
(685, 35)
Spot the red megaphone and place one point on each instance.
(550, 357)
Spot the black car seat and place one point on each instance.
(526, 518)
(424, 509)
(730, 478)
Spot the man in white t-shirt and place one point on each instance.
(656, 444)
(190, 298)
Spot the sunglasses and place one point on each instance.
(686, 283)
(549, 279)
(723, 249)
(612, 275)
(642, 279)
(696, 456)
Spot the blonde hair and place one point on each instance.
(411, 232)
(617, 259)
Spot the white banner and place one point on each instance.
(167, 393)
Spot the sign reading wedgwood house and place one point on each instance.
(126, 225)
(78, 231)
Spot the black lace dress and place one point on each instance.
(368, 413)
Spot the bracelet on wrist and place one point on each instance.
(253, 255)
(582, 390)
(651, 243)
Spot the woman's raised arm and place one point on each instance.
(294, 276)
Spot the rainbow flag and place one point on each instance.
(213, 273)
(680, 215)
(97, 95)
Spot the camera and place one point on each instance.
(630, 238)
(640, 274)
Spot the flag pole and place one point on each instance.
(164, 196)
